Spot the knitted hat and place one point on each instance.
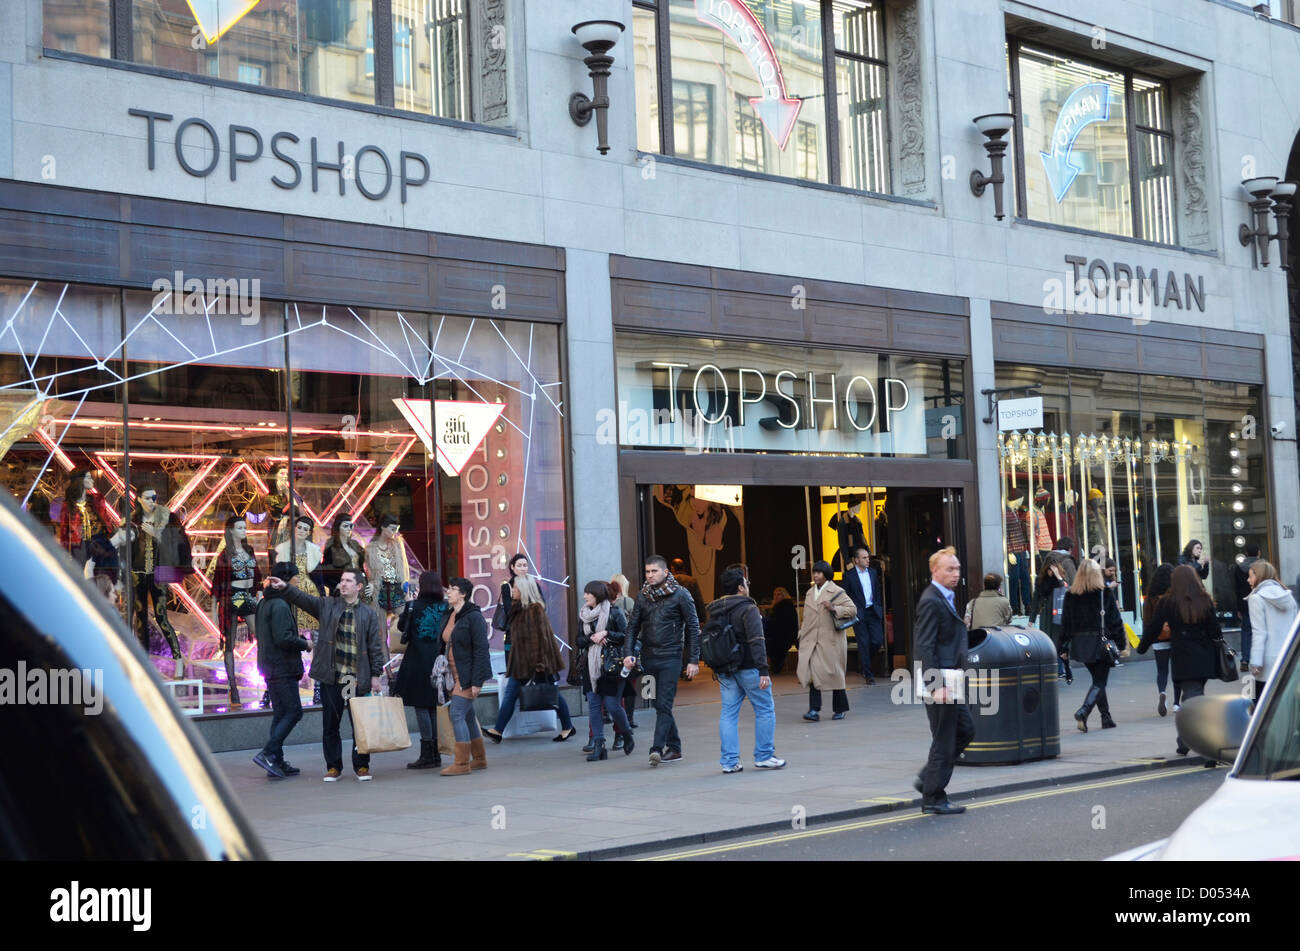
(1095, 495)
(1042, 497)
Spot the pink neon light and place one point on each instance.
(64, 459)
(384, 474)
(194, 607)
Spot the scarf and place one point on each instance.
(433, 618)
(596, 619)
(654, 593)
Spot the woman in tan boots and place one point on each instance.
(466, 644)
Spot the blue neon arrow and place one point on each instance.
(1088, 103)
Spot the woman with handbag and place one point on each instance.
(534, 655)
(421, 625)
(1272, 611)
(1051, 580)
(465, 646)
(618, 587)
(601, 636)
(828, 612)
(509, 601)
(1091, 630)
(1156, 590)
(1194, 634)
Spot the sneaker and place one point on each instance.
(672, 756)
(733, 769)
(363, 775)
(1161, 708)
(1177, 707)
(272, 768)
(288, 768)
(812, 716)
(839, 716)
(656, 757)
(332, 775)
(772, 762)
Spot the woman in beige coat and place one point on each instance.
(824, 651)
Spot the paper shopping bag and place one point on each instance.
(378, 724)
(446, 735)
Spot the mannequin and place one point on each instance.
(153, 547)
(236, 588)
(281, 512)
(83, 517)
(1098, 523)
(307, 556)
(1043, 541)
(387, 568)
(1018, 592)
(342, 551)
(848, 526)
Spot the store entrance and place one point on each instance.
(781, 532)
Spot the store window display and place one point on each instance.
(236, 589)
(306, 554)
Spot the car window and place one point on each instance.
(1274, 751)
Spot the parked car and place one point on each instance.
(100, 764)
(1255, 814)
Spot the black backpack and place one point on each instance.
(719, 647)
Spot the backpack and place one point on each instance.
(719, 647)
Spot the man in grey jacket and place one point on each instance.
(348, 660)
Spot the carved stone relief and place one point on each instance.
(910, 99)
(489, 49)
(1193, 202)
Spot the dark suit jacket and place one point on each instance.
(870, 626)
(939, 639)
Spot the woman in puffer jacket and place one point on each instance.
(1272, 612)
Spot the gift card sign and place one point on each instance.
(451, 429)
(215, 17)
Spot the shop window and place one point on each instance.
(1094, 145)
(693, 120)
(781, 83)
(78, 26)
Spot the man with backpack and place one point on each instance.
(732, 643)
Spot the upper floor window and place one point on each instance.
(777, 64)
(1094, 145)
(324, 48)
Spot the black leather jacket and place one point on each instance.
(656, 628)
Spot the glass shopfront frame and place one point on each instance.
(273, 412)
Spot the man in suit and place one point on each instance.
(940, 640)
(862, 584)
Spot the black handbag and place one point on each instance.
(1109, 649)
(1227, 658)
(539, 695)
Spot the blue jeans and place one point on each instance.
(735, 688)
(614, 705)
(1018, 590)
(510, 698)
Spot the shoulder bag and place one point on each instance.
(1110, 650)
(1227, 659)
(540, 693)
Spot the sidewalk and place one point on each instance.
(540, 799)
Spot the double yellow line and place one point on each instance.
(894, 818)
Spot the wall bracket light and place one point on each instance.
(1266, 191)
(597, 37)
(994, 127)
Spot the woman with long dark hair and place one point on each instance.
(1193, 632)
(1088, 616)
(421, 625)
(342, 552)
(1156, 590)
(1197, 558)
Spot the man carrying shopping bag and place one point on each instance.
(349, 649)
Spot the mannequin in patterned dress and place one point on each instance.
(387, 568)
(151, 550)
(236, 588)
(83, 517)
(307, 556)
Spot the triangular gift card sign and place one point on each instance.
(461, 427)
(215, 17)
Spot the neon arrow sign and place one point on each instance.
(1088, 103)
(775, 109)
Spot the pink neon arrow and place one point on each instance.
(775, 109)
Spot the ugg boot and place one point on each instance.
(478, 755)
(461, 766)
(427, 756)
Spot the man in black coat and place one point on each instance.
(862, 584)
(279, 661)
(940, 642)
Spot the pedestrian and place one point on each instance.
(465, 644)
(1243, 588)
(941, 645)
(602, 644)
(990, 609)
(279, 661)
(349, 649)
(618, 588)
(1090, 616)
(1272, 612)
(687, 581)
(750, 677)
(823, 648)
(663, 628)
(862, 585)
(1058, 571)
(534, 655)
(421, 625)
(1196, 558)
(1156, 590)
(1194, 631)
(518, 566)
(782, 626)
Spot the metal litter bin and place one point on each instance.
(1011, 690)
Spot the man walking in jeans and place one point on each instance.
(349, 650)
(279, 660)
(749, 678)
(663, 615)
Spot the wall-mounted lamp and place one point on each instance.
(995, 127)
(597, 37)
(1264, 191)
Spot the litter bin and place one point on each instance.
(1011, 690)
